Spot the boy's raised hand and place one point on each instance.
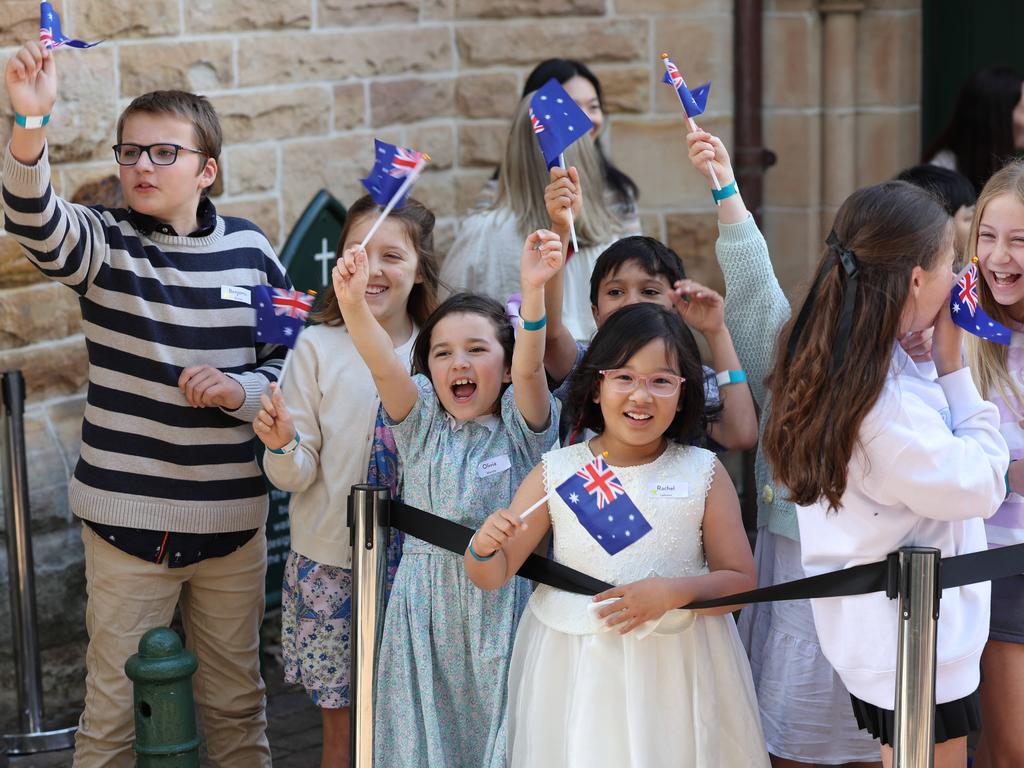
(563, 195)
(541, 259)
(273, 424)
(351, 275)
(700, 307)
(31, 77)
(706, 148)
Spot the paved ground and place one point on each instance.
(293, 722)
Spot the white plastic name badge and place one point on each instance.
(234, 293)
(493, 466)
(668, 490)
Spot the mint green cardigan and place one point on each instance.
(756, 309)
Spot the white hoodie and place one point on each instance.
(928, 468)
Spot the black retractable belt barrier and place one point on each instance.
(863, 579)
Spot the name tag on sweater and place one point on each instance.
(234, 293)
(493, 466)
(668, 490)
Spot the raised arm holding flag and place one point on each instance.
(693, 103)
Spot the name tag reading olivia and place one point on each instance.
(493, 466)
(669, 490)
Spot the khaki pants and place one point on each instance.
(221, 606)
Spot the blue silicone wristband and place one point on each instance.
(728, 190)
(477, 557)
(31, 121)
(533, 325)
(725, 378)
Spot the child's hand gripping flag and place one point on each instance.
(967, 311)
(49, 30)
(600, 502)
(557, 122)
(395, 170)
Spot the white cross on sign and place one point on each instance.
(324, 257)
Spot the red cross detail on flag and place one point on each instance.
(673, 72)
(404, 162)
(46, 38)
(600, 482)
(968, 285)
(294, 304)
(538, 126)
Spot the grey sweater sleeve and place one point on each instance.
(756, 309)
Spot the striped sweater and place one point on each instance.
(151, 306)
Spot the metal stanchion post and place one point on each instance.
(915, 662)
(21, 574)
(368, 521)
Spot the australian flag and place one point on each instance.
(392, 165)
(600, 502)
(967, 312)
(695, 101)
(280, 314)
(49, 30)
(557, 120)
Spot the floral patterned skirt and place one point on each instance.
(316, 609)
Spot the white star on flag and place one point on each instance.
(956, 307)
(574, 498)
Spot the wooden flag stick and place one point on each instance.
(572, 227)
(409, 181)
(693, 124)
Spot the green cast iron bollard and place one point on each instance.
(165, 715)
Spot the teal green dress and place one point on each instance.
(443, 664)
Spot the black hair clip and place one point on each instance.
(847, 259)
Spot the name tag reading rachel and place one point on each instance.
(668, 490)
(493, 466)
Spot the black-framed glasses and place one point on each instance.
(625, 381)
(159, 154)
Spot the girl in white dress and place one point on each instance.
(623, 678)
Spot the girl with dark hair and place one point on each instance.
(878, 452)
(668, 686)
(466, 439)
(986, 128)
(321, 438)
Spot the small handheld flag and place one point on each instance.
(693, 102)
(281, 314)
(557, 120)
(600, 502)
(49, 30)
(967, 311)
(395, 170)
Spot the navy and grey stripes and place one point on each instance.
(151, 306)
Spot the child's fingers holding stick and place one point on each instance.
(497, 529)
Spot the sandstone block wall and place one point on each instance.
(303, 86)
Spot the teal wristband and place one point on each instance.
(533, 325)
(477, 557)
(288, 447)
(728, 190)
(730, 377)
(31, 121)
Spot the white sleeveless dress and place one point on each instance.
(676, 692)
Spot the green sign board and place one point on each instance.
(308, 256)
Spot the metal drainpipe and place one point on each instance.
(750, 159)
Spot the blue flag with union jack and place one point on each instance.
(557, 120)
(280, 314)
(967, 311)
(392, 165)
(49, 30)
(600, 502)
(695, 101)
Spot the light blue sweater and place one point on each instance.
(756, 309)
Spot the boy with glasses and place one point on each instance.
(166, 484)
